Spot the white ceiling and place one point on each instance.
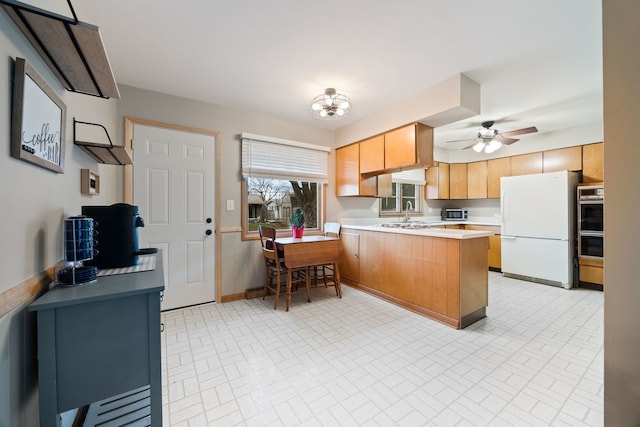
(539, 63)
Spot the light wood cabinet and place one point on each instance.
(495, 247)
(590, 271)
(438, 181)
(593, 162)
(569, 158)
(496, 169)
(458, 181)
(371, 254)
(477, 180)
(372, 154)
(350, 266)
(408, 146)
(444, 279)
(526, 164)
(349, 182)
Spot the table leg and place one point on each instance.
(288, 290)
(336, 273)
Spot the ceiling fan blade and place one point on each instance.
(523, 131)
(461, 140)
(506, 141)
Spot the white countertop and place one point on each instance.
(432, 231)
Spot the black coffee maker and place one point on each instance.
(116, 235)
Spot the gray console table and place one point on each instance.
(99, 340)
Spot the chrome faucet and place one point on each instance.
(408, 208)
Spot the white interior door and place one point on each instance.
(173, 187)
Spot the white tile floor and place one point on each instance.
(536, 360)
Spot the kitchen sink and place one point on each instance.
(407, 225)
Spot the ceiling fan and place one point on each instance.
(489, 140)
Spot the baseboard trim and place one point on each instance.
(233, 297)
(24, 291)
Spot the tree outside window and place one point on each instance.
(271, 201)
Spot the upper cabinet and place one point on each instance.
(408, 147)
(364, 168)
(496, 169)
(438, 181)
(526, 164)
(372, 154)
(477, 180)
(593, 162)
(349, 182)
(569, 158)
(458, 181)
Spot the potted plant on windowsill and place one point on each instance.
(297, 223)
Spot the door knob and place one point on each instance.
(208, 232)
(208, 220)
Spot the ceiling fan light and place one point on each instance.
(316, 106)
(492, 146)
(478, 147)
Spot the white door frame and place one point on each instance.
(129, 122)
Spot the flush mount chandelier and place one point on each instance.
(330, 105)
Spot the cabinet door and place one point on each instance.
(496, 169)
(593, 162)
(372, 259)
(347, 170)
(526, 164)
(495, 247)
(458, 180)
(562, 159)
(400, 147)
(372, 154)
(437, 182)
(349, 182)
(350, 267)
(477, 180)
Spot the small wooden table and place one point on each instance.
(310, 251)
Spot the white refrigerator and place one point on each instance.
(538, 227)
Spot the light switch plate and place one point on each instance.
(231, 205)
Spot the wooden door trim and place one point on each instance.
(129, 122)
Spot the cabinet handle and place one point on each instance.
(355, 255)
(161, 327)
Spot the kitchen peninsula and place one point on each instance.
(437, 272)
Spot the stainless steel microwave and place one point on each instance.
(455, 214)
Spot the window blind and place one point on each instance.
(412, 176)
(283, 159)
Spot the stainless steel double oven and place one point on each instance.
(591, 221)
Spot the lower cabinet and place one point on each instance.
(495, 247)
(350, 267)
(441, 278)
(590, 271)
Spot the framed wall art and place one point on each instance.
(38, 120)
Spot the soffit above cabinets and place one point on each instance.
(72, 49)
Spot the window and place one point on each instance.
(278, 177)
(401, 195)
(271, 201)
(405, 193)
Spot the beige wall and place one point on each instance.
(33, 203)
(241, 260)
(621, 33)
